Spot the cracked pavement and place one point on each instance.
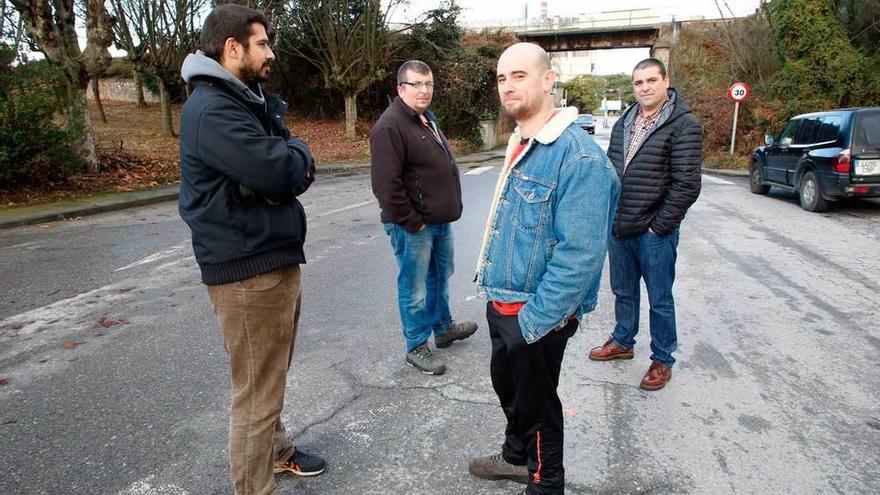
(114, 378)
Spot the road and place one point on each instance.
(116, 381)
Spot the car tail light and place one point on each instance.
(842, 163)
(859, 189)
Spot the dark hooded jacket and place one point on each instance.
(241, 172)
(663, 179)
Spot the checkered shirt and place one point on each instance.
(640, 129)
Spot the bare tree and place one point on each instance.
(52, 27)
(134, 50)
(97, 65)
(160, 33)
(347, 40)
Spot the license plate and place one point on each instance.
(867, 167)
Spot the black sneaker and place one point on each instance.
(423, 359)
(301, 464)
(455, 331)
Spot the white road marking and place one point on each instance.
(172, 251)
(145, 487)
(716, 180)
(470, 298)
(480, 170)
(349, 207)
(29, 245)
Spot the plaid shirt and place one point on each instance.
(640, 129)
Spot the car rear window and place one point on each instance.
(866, 133)
(808, 131)
(829, 129)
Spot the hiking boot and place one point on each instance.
(495, 467)
(301, 464)
(455, 331)
(610, 350)
(423, 359)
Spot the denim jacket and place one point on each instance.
(547, 233)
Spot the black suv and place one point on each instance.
(823, 156)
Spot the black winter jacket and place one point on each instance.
(240, 174)
(663, 179)
(414, 178)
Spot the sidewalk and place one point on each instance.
(73, 208)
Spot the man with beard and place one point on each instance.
(540, 265)
(241, 172)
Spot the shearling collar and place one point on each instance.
(553, 128)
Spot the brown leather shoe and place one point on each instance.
(656, 377)
(610, 350)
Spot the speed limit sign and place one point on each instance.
(738, 92)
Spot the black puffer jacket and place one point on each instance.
(663, 179)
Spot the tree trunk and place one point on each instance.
(96, 93)
(139, 89)
(350, 114)
(167, 128)
(80, 122)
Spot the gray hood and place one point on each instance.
(200, 65)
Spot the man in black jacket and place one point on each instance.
(241, 172)
(415, 179)
(656, 147)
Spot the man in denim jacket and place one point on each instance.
(540, 265)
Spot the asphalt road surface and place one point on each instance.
(113, 378)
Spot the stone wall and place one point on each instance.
(121, 90)
(494, 133)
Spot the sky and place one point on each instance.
(507, 12)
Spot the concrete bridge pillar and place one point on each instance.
(663, 48)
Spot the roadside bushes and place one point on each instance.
(33, 146)
(797, 56)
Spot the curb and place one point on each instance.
(726, 172)
(85, 207)
(66, 210)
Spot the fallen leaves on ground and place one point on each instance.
(9, 422)
(105, 322)
(4, 382)
(135, 154)
(69, 345)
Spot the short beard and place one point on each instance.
(251, 76)
(520, 112)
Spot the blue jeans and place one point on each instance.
(652, 257)
(425, 259)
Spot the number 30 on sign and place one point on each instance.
(738, 92)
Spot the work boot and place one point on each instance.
(656, 377)
(455, 331)
(301, 464)
(610, 350)
(423, 359)
(495, 467)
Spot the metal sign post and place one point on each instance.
(737, 92)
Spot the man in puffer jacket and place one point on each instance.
(656, 147)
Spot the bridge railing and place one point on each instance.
(622, 18)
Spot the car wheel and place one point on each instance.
(811, 195)
(755, 184)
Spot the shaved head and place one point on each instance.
(525, 81)
(529, 53)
